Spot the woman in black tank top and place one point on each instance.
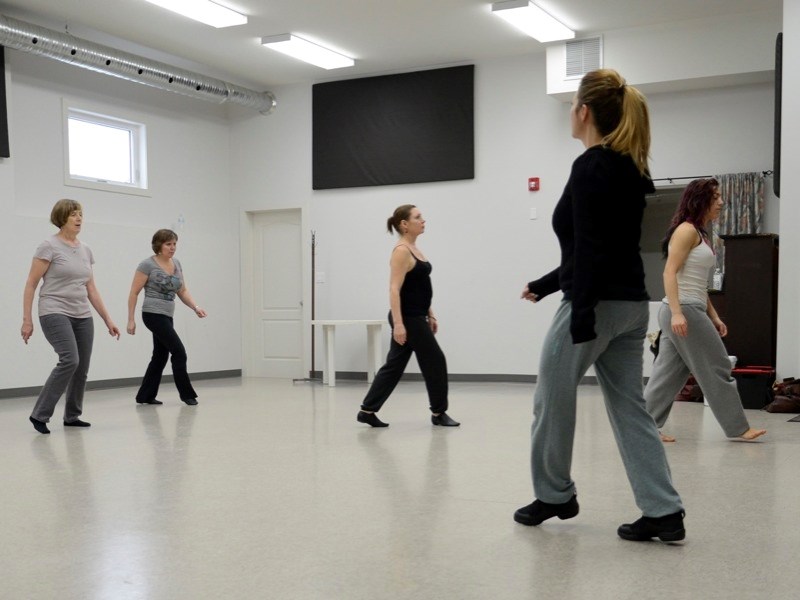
(413, 325)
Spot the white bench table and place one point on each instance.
(374, 357)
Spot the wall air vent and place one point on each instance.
(583, 56)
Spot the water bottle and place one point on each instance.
(716, 281)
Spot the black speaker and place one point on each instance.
(776, 153)
(4, 149)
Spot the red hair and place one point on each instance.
(693, 207)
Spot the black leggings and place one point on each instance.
(420, 341)
(165, 342)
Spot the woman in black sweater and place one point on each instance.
(603, 317)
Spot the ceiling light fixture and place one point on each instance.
(532, 20)
(309, 52)
(204, 11)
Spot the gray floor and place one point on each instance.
(272, 490)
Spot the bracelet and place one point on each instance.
(196, 308)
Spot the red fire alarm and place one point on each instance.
(533, 184)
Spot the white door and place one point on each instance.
(278, 294)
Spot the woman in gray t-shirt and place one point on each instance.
(64, 264)
(161, 277)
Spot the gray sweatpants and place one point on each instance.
(72, 340)
(617, 355)
(702, 354)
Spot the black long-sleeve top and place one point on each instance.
(598, 222)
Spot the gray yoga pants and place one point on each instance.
(702, 354)
(617, 356)
(72, 340)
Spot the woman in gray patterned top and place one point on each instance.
(162, 279)
(64, 264)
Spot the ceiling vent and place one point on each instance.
(110, 61)
(583, 56)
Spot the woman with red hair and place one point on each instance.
(691, 329)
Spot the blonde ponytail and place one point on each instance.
(620, 114)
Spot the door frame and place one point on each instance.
(248, 320)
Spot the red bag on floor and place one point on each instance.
(690, 392)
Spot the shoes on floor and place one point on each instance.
(151, 401)
(39, 426)
(539, 511)
(370, 419)
(77, 423)
(668, 528)
(443, 420)
(189, 401)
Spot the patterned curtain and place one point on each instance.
(743, 209)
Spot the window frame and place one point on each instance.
(138, 131)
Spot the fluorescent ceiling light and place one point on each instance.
(309, 52)
(532, 20)
(204, 11)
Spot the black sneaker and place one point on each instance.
(443, 420)
(150, 401)
(370, 419)
(38, 425)
(539, 511)
(667, 529)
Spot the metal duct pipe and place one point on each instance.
(109, 61)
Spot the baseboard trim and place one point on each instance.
(106, 384)
(454, 377)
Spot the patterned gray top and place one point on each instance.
(160, 289)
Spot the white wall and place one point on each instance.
(708, 132)
(480, 239)
(188, 144)
(789, 282)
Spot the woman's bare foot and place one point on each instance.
(666, 438)
(750, 435)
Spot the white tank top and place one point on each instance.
(693, 276)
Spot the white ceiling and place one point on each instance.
(382, 35)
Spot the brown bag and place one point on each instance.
(784, 404)
(787, 387)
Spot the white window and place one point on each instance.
(104, 152)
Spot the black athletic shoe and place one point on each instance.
(39, 426)
(151, 401)
(189, 401)
(443, 420)
(77, 423)
(370, 419)
(539, 511)
(667, 529)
